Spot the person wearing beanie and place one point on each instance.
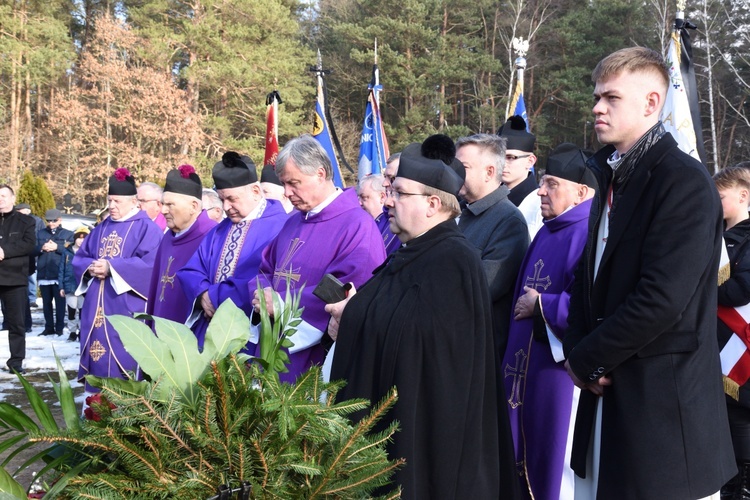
(492, 224)
(423, 324)
(113, 268)
(517, 172)
(68, 284)
(17, 242)
(540, 403)
(228, 257)
(50, 243)
(187, 225)
(329, 233)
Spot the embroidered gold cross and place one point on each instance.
(97, 350)
(166, 279)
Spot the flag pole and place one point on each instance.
(517, 106)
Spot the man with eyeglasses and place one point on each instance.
(423, 324)
(329, 233)
(149, 199)
(517, 173)
(113, 268)
(212, 205)
(49, 249)
(371, 192)
(492, 223)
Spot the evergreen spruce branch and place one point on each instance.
(222, 399)
(362, 427)
(263, 462)
(81, 444)
(133, 452)
(379, 439)
(365, 480)
(149, 439)
(170, 430)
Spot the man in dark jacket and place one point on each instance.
(641, 342)
(50, 245)
(17, 240)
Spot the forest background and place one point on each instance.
(87, 86)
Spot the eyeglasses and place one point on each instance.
(514, 157)
(396, 195)
(53, 220)
(145, 201)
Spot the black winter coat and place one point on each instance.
(17, 239)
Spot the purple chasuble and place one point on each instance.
(389, 239)
(540, 394)
(130, 246)
(202, 271)
(166, 299)
(343, 240)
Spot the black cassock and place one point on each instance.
(423, 325)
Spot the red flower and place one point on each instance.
(121, 174)
(96, 402)
(186, 170)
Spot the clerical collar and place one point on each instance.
(128, 215)
(257, 211)
(325, 203)
(177, 235)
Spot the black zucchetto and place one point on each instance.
(234, 171)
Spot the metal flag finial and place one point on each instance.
(520, 46)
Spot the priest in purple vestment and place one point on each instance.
(113, 268)
(149, 199)
(330, 233)
(188, 224)
(228, 257)
(541, 397)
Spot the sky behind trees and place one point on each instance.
(91, 85)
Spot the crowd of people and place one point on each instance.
(549, 338)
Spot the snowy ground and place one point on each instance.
(40, 357)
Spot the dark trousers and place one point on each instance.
(51, 293)
(15, 300)
(739, 425)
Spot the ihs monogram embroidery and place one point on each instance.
(111, 245)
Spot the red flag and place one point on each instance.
(272, 128)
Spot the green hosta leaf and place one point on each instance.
(9, 487)
(151, 353)
(183, 347)
(228, 332)
(71, 415)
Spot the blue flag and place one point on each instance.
(373, 146)
(520, 110)
(323, 136)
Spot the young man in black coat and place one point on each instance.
(641, 341)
